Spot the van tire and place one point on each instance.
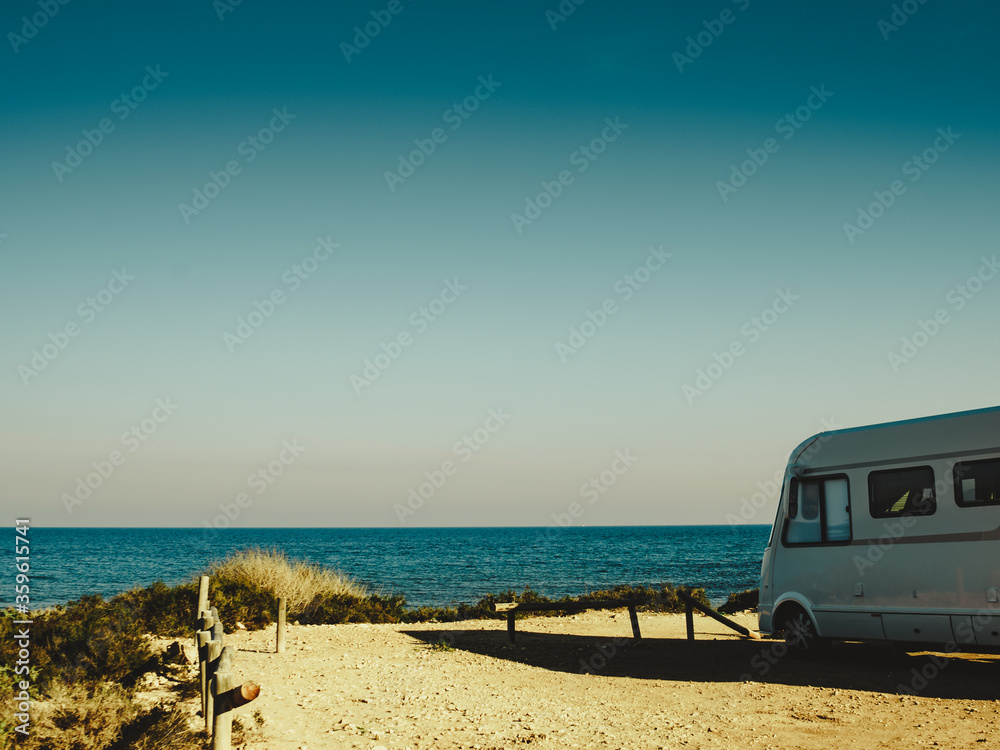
(800, 634)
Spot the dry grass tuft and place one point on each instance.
(274, 572)
(75, 718)
(161, 728)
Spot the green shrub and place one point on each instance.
(667, 600)
(86, 641)
(332, 609)
(239, 601)
(740, 601)
(163, 610)
(170, 612)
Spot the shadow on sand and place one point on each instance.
(849, 666)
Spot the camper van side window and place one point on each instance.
(819, 511)
(977, 483)
(902, 492)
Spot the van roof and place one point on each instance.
(908, 441)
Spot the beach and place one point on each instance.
(463, 685)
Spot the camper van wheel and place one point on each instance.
(800, 634)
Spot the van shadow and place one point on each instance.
(847, 666)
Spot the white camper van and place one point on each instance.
(889, 532)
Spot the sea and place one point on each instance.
(428, 566)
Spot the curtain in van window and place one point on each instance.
(838, 515)
(803, 526)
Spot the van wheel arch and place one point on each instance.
(798, 628)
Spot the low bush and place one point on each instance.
(86, 641)
(333, 609)
(664, 599)
(740, 601)
(163, 610)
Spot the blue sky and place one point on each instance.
(777, 197)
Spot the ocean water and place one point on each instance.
(437, 566)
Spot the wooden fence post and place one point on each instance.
(214, 655)
(202, 595)
(201, 639)
(282, 604)
(689, 618)
(205, 620)
(222, 684)
(634, 619)
(203, 636)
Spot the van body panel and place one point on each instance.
(919, 628)
(986, 630)
(961, 626)
(860, 626)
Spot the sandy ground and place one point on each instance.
(391, 686)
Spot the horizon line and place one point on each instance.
(411, 528)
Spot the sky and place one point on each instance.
(416, 263)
